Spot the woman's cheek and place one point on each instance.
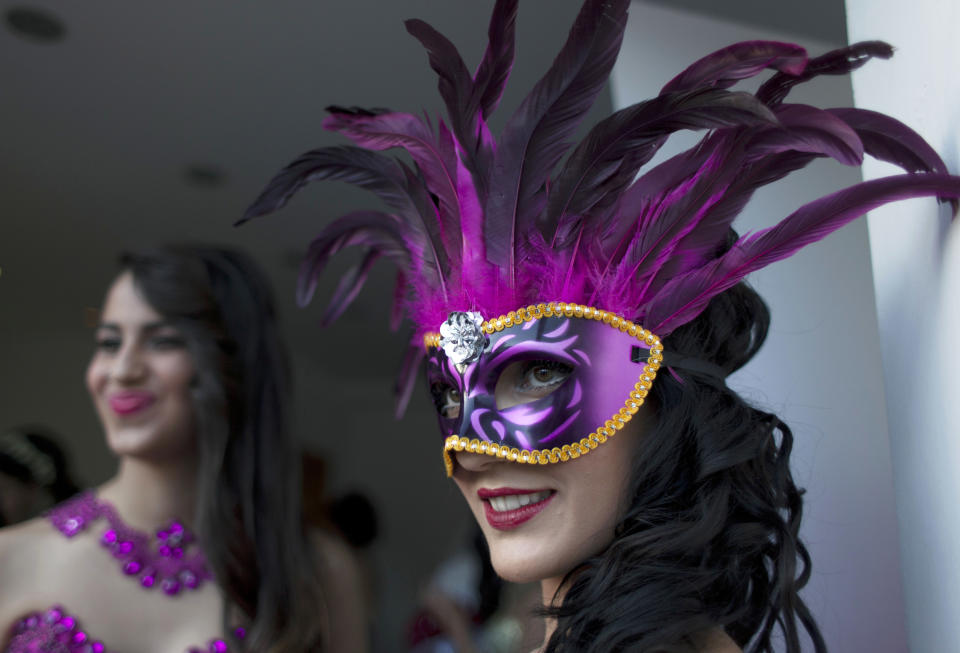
(96, 375)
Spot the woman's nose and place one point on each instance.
(475, 462)
(128, 366)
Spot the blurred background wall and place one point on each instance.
(916, 270)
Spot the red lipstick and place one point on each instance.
(129, 403)
(508, 514)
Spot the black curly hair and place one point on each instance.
(710, 536)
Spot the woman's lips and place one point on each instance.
(129, 403)
(507, 508)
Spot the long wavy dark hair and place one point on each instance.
(248, 500)
(710, 534)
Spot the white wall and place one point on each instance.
(820, 369)
(918, 293)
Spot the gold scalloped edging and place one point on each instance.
(593, 440)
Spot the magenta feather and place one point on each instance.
(535, 137)
(684, 297)
(725, 67)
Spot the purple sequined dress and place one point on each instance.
(55, 631)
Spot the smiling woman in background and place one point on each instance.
(579, 320)
(196, 543)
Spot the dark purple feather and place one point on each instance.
(808, 129)
(349, 286)
(497, 62)
(434, 156)
(454, 80)
(684, 297)
(399, 296)
(371, 229)
(836, 62)
(890, 140)
(535, 138)
(407, 377)
(724, 68)
(609, 157)
(803, 134)
(353, 165)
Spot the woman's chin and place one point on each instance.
(518, 567)
(145, 444)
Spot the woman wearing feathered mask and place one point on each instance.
(578, 321)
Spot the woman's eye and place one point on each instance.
(447, 400)
(108, 344)
(167, 342)
(543, 375)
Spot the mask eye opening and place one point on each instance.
(526, 381)
(446, 399)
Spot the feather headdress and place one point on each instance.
(486, 224)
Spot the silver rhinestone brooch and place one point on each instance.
(461, 337)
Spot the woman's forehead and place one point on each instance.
(125, 305)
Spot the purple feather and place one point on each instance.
(684, 297)
(435, 157)
(609, 157)
(469, 100)
(725, 67)
(372, 229)
(836, 62)
(536, 135)
(407, 377)
(372, 171)
(497, 62)
(399, 297)
(349, 287)
(889, 140)
(804, 133)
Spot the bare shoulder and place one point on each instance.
(22, 540)
(22, 548)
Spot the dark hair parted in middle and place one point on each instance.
(248, 503)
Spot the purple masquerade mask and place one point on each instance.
(542, 385)
(478, 221)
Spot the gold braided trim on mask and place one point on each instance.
(593, 440)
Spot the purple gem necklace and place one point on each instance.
(165, 559)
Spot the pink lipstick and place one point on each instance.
(507, 508)
(129, 403)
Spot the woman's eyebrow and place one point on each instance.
(149, 327)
